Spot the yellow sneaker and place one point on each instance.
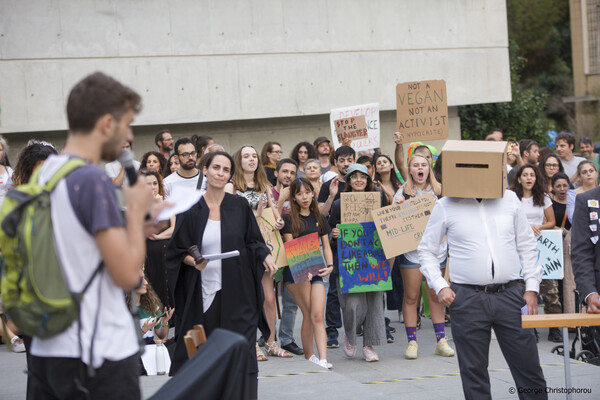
(411, 350)
(443, 349)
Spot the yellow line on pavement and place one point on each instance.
(293, 374)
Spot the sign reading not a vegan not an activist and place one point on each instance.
(422, 110)
(363, 266)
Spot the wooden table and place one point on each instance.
(563, 321)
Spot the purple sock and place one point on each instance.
(440, 331)
(411, 332)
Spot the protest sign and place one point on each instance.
(356, 207)
(272, 237)
(422, 110)
(401, 226)
(353, 128)
(550, 253)
(371, 114)
(363, 266)
(304, 256)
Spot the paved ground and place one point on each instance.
(393, 377)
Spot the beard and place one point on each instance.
(187, 167)
(112, 148)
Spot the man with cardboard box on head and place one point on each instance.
(489, 241)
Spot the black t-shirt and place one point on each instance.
(559, 214)
(324, 193)
(310, 225)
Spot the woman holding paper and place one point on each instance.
(304, 218)
(250, 182)
(359, 309)
(222, 293)
(420, 182)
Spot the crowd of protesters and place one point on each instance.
(302, 186)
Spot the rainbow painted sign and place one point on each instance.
(304, 256)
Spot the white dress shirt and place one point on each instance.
(479, 233)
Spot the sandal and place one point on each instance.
(276, 351)
(259, 354)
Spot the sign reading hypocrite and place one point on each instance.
(363, 266)
(422, 110)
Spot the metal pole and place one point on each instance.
(566, 352)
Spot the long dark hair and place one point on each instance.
(309, 147)
(393, 177)
(539, 187)
(545, 160)
(161, 159)
(297, 223)
(28, 158)
(149, 301)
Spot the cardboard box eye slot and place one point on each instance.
(472, 166)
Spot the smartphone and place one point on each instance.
(160, 316)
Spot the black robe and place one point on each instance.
(241, 292)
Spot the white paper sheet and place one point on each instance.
(222, 256)
(182, 199)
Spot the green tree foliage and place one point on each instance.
(541, 74)
(523, 117)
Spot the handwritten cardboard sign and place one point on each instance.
(353, 128)
(401, 226)
(304, 256)
(422, 110)
(357, 207)
(363, 266)
(272, 237)
(550, 254)
(371, 114)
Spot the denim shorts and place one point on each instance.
(287, 277)
(405, 263)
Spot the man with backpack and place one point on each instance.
(100, 252)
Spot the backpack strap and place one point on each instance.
(64, 170)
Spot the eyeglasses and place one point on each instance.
(551, 166)
(188, 155)
(277, 151)
(358, 176)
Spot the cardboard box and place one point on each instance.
(474, 169)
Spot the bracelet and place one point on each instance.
(330, 265)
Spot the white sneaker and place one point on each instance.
(314, 359)
(325, 364)
(17, 345)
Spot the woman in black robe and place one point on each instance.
(239, 303)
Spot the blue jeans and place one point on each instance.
(288, 317)
(333, 314)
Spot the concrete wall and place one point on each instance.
(275, 67)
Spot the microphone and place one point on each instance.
(127, 158)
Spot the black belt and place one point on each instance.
(494, 288)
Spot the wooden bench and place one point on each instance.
(563, 321)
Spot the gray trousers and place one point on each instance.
(473, 313)
(364, 309)
(288, 317)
